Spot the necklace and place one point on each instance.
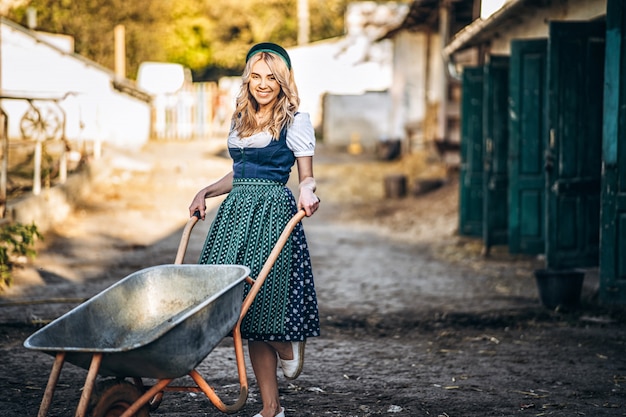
(262, 117)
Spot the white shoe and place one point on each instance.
(293, 367)
(281, 414)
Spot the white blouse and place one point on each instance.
(300, 137)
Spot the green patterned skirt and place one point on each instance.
(245, 229)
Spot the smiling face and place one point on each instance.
(263, 85)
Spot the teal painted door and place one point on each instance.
(575, 89)
(528, 132)
(613, 210)
(471, 172)
(495, 151)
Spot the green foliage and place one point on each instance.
(327, 18)
(92, 22)
(207, 36)
(16, 239)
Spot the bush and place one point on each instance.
(16, 240)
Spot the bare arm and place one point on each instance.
(307, 199)
(222, 186)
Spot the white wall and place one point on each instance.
(337, 66)
(535, 24)
(417, 77)
(31, 66)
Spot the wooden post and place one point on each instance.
(37, 167)
(303, 22)
(120, 51)
(63, 165)
(395, 186)
(4, 170)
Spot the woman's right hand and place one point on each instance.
(222, 186)
(198, 204)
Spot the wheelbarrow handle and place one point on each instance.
(184, 240)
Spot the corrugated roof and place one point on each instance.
(423, 15)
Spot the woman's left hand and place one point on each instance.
(308, 201)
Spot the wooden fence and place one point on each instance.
(197, 111)
(40, 158)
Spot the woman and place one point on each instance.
(267, 136)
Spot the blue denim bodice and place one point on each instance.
(272, 162)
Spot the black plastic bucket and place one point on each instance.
(560, 288)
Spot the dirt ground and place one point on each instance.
(415, 321)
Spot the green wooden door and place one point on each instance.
(613, 211)
(495, 151)
(471, 172)
(575, 89)
(528, 133)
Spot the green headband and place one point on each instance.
(271, 48)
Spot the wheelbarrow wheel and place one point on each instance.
(112, 397)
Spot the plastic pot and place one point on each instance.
(560, 288)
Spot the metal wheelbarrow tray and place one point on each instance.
(158, 323)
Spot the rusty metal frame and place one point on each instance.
(154, 393)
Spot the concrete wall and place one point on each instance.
(52, 206)
(362, 119)
(45, 66)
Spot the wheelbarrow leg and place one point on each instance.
(243, 379)
(96, 360)
(215, 399)
(146, 397)
(59, 360)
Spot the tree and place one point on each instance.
(207, 36)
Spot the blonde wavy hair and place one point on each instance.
(285, 107)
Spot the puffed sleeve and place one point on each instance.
(301, 136)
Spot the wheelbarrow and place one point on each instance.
(158, 323)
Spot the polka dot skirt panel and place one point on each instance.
(246, 227)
